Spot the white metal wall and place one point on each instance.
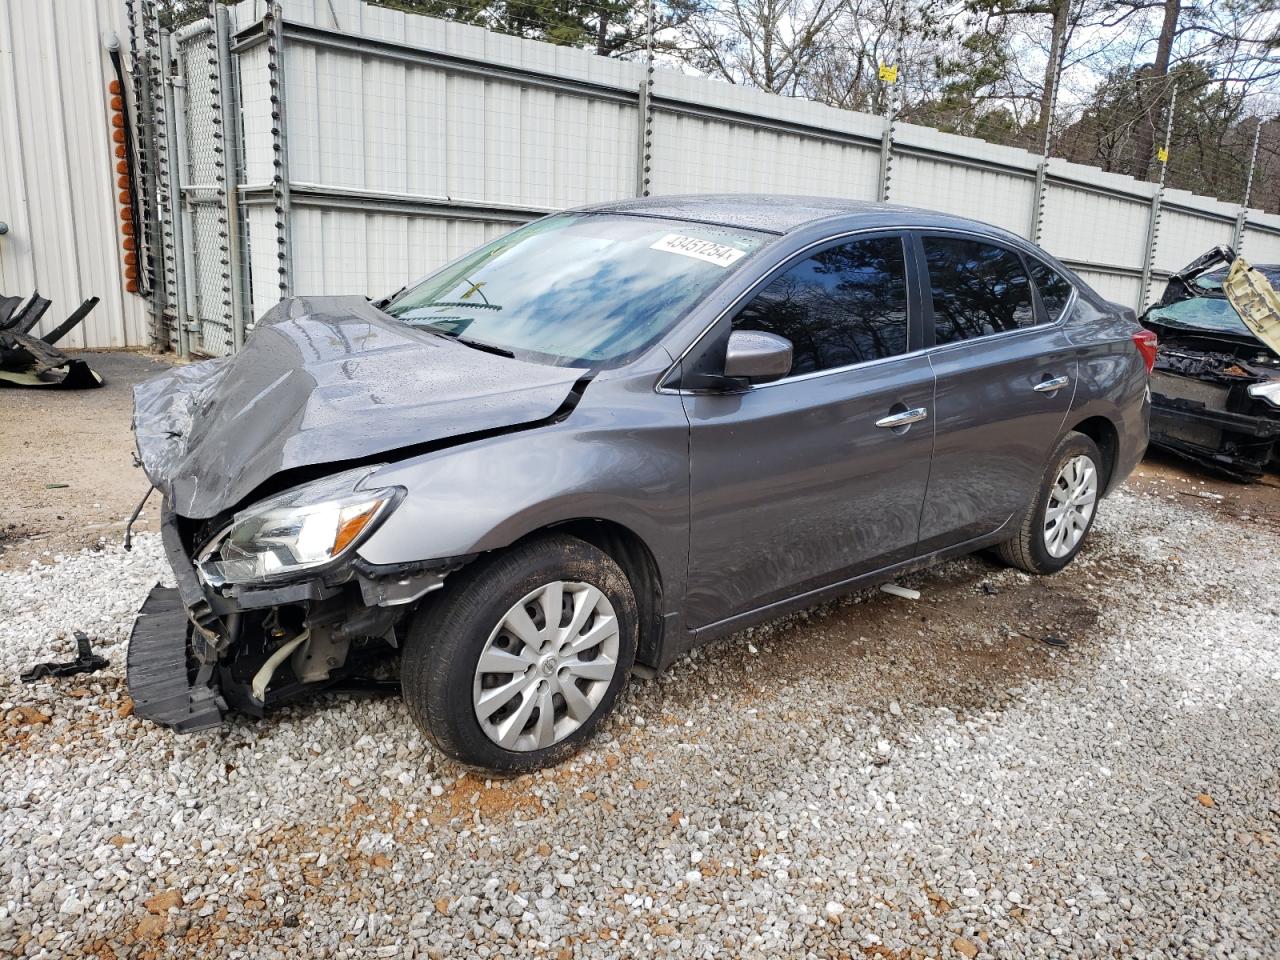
(401, 162)
(57, 169)
(484, 149)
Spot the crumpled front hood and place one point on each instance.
(324, 380)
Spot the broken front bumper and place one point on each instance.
(1238, 444)
(196, 652)
(159, 669)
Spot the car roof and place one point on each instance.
(775, 213)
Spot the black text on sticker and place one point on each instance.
(720, 254)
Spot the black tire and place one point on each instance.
(1027, 549)
(446, 639)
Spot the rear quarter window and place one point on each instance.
(1055, 289)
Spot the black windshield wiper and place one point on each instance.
(486, 347)
(470, 305)
(466, 342)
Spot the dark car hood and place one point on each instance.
(324, 380)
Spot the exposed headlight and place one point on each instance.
(1269, 391)
(300, 529)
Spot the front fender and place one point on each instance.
(622, 457)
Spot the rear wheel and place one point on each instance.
(520, 663)
(1055, 526)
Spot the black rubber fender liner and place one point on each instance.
(156, 668)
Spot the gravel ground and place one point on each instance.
(878, 777)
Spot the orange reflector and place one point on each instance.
(114, 86)
(350, 528)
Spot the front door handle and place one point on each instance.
(1051, 385)
(905, 418)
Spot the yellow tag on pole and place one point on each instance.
(1162, 155)
(889, 72)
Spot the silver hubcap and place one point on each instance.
(1071, 500)
(546, 666)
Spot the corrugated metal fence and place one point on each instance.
(410, 140)
(330, 146)
(58, 189)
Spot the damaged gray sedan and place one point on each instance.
(607, 437)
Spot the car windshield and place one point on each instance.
(1203, 313)
(579, 290)
(1211, 282)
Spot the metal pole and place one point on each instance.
(229, 175)
(644, 152)
(1153, 228)
(1243, 216)
(176, 168)
(274, 22)
(1057, 55)
(889, 78)
(164, 258)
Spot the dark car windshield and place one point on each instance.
(587, 290)
(1202, 313)
(1211, 283)
(1210, 310)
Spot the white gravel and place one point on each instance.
(945, 792)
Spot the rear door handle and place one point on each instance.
(904, 418)
(1049, 386)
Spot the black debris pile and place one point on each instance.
(29, 361)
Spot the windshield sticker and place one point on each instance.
(720, 254)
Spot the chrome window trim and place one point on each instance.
(905, 232)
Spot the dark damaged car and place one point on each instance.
(607, 437)
(1215, 389)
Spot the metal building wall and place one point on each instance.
(57, 170)
(412, 140)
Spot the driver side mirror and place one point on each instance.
(756, 357)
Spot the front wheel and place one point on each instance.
(526, 655)
(1058, 520)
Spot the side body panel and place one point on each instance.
(994, 428)
(1111, 380)
(793, 485)
(621, 456)
(994, 432)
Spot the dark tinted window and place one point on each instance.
(978, 289)
(1055, 291)
(847, 304)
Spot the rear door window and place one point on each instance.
(1055, 289)
(979, 289)
(844, 305)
